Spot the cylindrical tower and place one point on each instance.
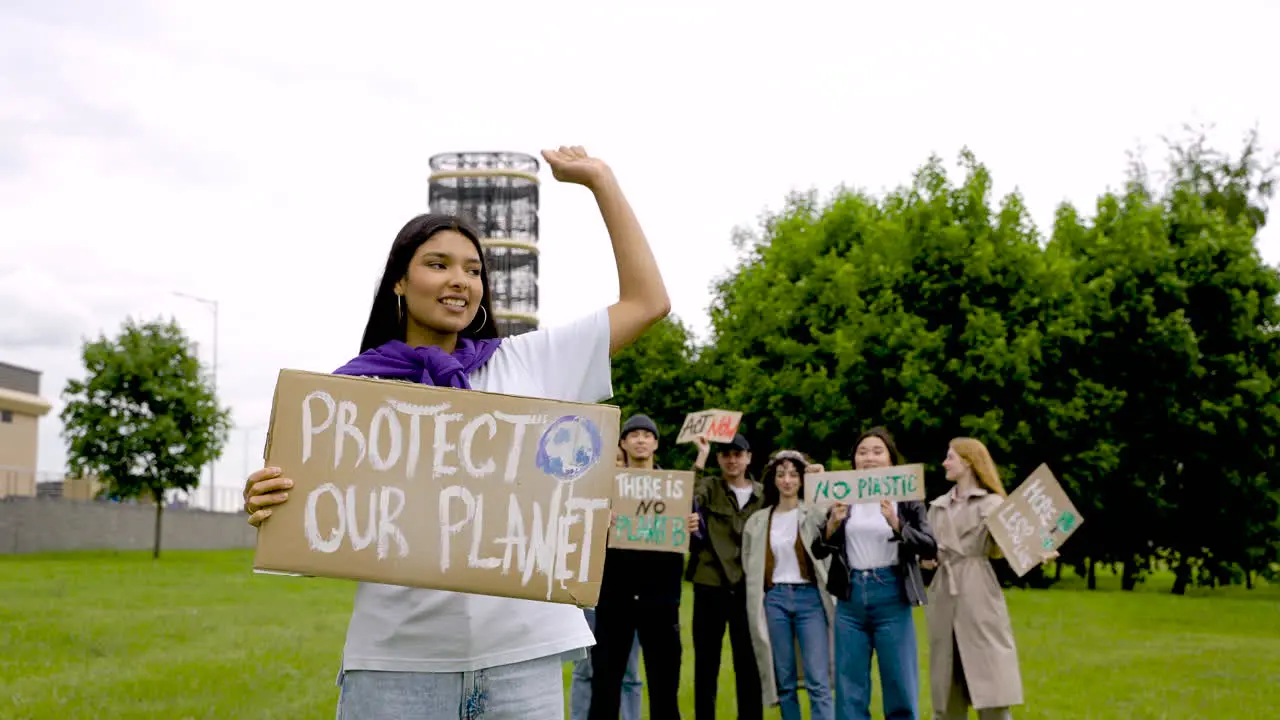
(499, 191)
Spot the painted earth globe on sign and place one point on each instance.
(569, 447)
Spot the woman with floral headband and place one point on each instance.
(787, 601)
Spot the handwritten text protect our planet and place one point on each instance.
(566, 451)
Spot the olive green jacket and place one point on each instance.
(715, 555)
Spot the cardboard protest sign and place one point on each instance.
(895, 484)
(413, 485)
(718, 426)
(1035, 519)
(651, 507)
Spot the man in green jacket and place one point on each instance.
(724, 500)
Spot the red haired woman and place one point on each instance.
(973, 660)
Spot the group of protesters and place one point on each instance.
(837, 582)
(803, 587)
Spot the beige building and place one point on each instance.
(21, 408)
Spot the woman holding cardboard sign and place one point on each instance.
(414, 653)
(787, 603)
(973, 659)
(875, 576)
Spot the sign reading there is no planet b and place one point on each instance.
(651, 507)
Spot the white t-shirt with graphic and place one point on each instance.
(417, 630)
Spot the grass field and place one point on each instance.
(197, 635)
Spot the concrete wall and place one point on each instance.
(31, 525)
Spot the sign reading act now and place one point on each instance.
(462, 490)
(715, 425)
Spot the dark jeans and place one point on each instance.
(713, 609)
(618, 623)
(876, 618)
(580, 685)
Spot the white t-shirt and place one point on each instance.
(416, 630)
(782, 540)
(743, 494)
(868, 538)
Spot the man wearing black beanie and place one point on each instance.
(639, 594)
(582, 679)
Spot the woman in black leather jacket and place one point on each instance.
(875, 576)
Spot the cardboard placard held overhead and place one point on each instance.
(651, 508)
(413, 485)
(1035, 519)
(895, 484)
(718, 426)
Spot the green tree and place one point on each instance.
(1222, 511)
(1141, 349)
(1183, 332)
(929, 311)
(143, 420)
(1136, 351)
(656, 376)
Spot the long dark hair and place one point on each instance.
(887, 438)
(385, 322)
(797, 461)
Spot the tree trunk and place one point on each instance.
(159, 497)
(1057, 570)
(1225, 577)
(1129, 575)
(1093, 576)
(1182, 577)
(1248, 578)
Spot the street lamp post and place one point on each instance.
(213, 304)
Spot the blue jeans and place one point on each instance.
(580, 685)
(876, 617)
(796, 612)
(520, 691)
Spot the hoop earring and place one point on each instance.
(399, 308)
(486, 319)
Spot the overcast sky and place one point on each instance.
(264, 154)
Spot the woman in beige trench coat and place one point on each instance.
(973, 660)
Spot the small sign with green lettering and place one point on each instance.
(651, 508)
(895, 484)
(1038, 509)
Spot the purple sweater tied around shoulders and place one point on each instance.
(429, 365)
